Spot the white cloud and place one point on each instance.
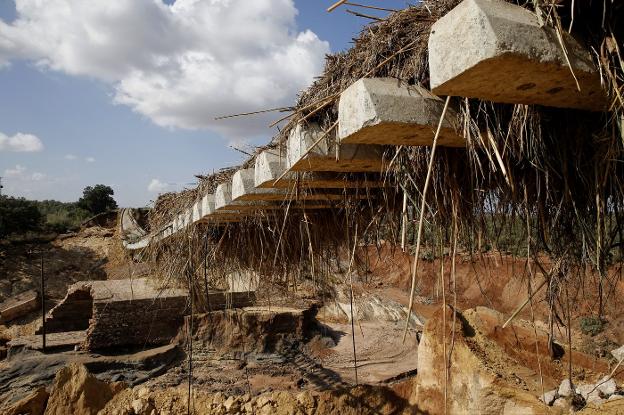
(156, 186)
(20, 142)
(90, 159)
(70, 157)
(37, 177)
(179, 65)
(19, 173)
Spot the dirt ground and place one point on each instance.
(325, 362)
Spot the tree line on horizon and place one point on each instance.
(19, 216)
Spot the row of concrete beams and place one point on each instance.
(487, 49)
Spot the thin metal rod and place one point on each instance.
(190, 361)
(43, 316)
(351, 300)
(423, 205)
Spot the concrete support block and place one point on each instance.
(244, 188)
(223, 196)
(497, 51)
(270, 166)
(207, 203)
(385, 111)
(323, 157)
(197, 211)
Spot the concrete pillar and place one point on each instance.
(385, 111)
(351, 157)
(244, 188)
(497, 51)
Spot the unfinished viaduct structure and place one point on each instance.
(486, 49)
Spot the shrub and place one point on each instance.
(592, 326)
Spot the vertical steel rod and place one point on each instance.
(43, 317)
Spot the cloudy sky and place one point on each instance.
(125, 92)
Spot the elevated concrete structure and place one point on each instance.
(497, 51)
(270, 167)
(384, 111)
(325, 157)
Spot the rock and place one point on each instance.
(263, 401)
(561, 403)
(565, 389)
(615, 397)
(218, 398)
(588, 392)
(618, 353)
(306, 400)
(549, 397)
(607, 386)
(76, 391)
(143, 392)
(248, 408)
(137, 406)
(33, 404)
(595, 399)
(231, 404)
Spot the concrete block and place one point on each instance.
(197, 211)
(19, 306)
(270, 166)
(385, 111)
(497, 51)
(244, 188)
(351, 157)
(207, 205)
(187, 217)
(223, 196)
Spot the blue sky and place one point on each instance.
(105, 114)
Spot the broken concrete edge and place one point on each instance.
(388, 112)
(498, 51)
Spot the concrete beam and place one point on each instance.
(270, 166)
(244, 188)
(385, 111)
(323, 157)
(497, 51)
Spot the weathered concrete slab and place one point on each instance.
(270, 167)
(323, 157)
(19, 305)
(60, 340)
(244, 188)
(497, 51)
(385, 111)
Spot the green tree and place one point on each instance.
(18, 215)
(97, 199)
